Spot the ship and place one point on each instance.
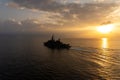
(56, 44)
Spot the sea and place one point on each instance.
(26, 58)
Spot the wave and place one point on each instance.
(89, 50)
(92, 50)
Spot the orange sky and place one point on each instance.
(67, 18)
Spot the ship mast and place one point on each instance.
(52, 38)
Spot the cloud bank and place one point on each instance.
(71, 11)
(64, 15)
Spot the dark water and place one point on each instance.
(25, 58)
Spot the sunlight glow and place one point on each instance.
(104, 43)
(104, 29)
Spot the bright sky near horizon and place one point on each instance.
(71, 18)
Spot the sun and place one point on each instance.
(105, 29)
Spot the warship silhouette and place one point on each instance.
(56, 44)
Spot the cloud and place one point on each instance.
(38, 4)
(107, 22)
(9, 26)
(27, 26)
(71, 11)
(12, 26)
(55, 5)
(63, 16)
(12, 4)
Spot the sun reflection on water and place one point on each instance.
(104, 43)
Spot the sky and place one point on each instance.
(66, 18)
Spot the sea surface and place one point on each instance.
(26, 58)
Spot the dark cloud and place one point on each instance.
(107, 22)
(87, 13)
(60, 17)
(29, 26)
(46, 5)
(11, 26)
(55, 6)
(26, 26)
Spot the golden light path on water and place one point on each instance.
(104, 43)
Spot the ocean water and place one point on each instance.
(26, 58)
